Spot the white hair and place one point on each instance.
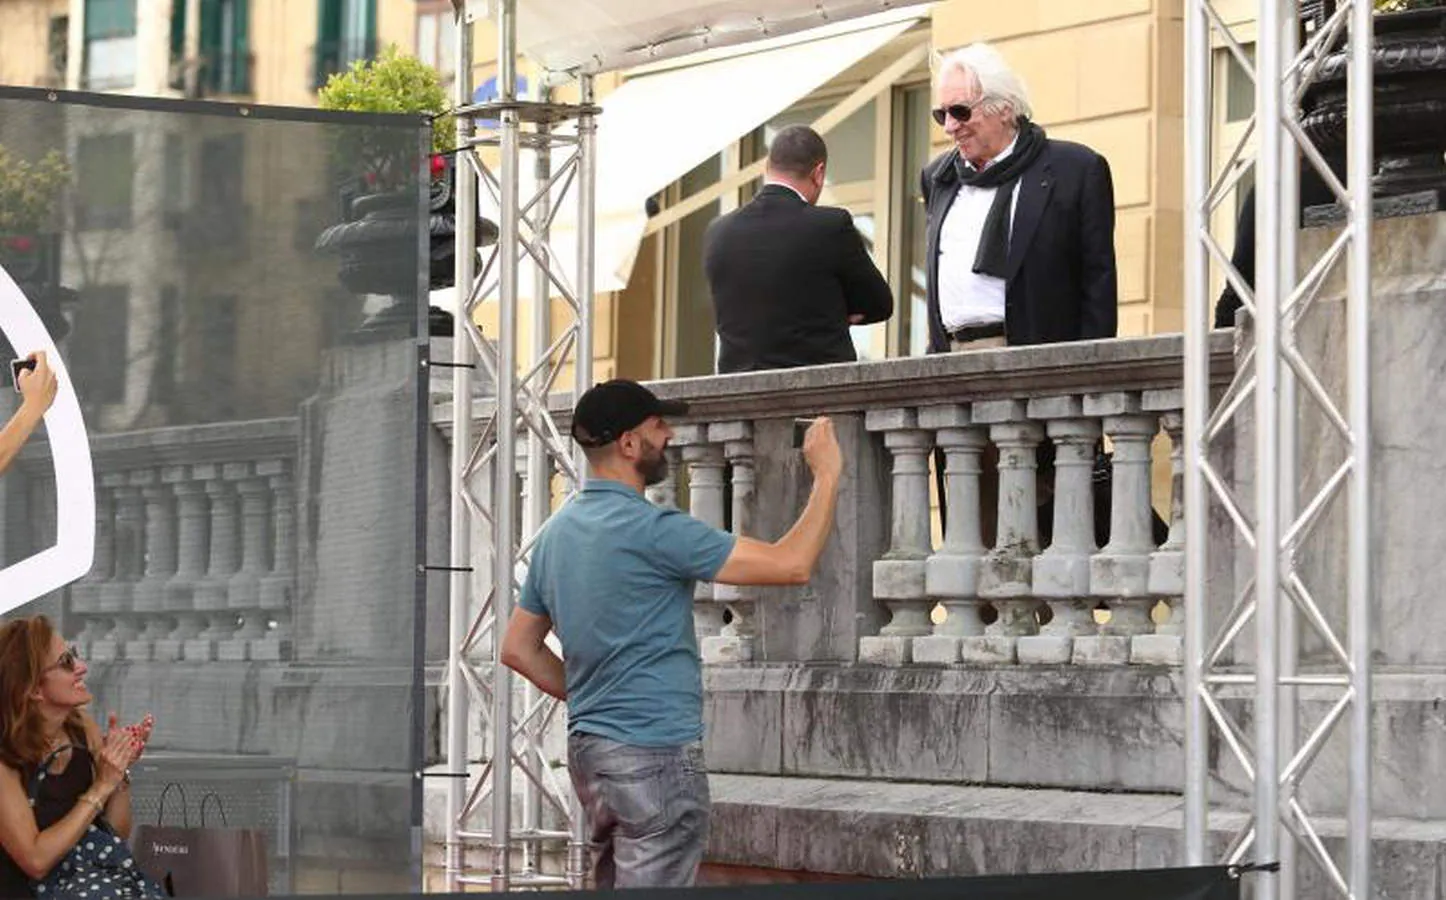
(999, 86)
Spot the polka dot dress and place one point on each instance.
(100, 868)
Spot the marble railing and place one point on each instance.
(196, 544)
(895, 588)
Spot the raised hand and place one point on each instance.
(39, 385)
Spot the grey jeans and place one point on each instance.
(647, 810)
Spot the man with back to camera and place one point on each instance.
(788, 277)
(613, 575)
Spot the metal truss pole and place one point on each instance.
(464, 358)
(519, 419)
(1277, 382)
(582, 370)
(504, 496)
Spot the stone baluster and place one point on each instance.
(1167, 565)
(213, 591)
(278, 587)
(705, 501)
(952, 574)
(192, 528)
(665, 492)
(85, 593)
(1006, 578)
(736, 642)
(116, 595)
(1062, 571)
(1120, 572)
(899, 578)
(160, 563)
(243, 591)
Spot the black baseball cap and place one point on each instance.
(607, 410)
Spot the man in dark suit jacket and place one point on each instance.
(789, 277)
(1020, 227)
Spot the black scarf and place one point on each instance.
(993, 254)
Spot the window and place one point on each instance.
(223, 65)
(910, 279)
(98, 347)
(105, 172)
(58, 50)
(1239, 87)
(346, 32)
(218, 355)
(437, 38)
(110, 44)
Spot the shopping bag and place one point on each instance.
(205, 861)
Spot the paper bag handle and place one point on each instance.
(161, 805)
(212, 795)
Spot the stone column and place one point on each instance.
(213, 592)
(1120, 572)
(899, 578)
(1062, 571)
(1007, 576)
(952, 574)
(736, 642)
(85, 593)
(705, 502)
(278, 587)
(243, 590)
(116, 595)
(192, 525)
(1167, 565)
(160, 563)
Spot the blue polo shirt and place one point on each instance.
(615, 575)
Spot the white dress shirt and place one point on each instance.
(965, 297)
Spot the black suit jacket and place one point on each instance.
(785, 277)
(1061, 283)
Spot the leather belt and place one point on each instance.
(977, 332)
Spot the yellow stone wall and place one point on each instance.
(25, 42)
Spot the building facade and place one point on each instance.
(1107, 73)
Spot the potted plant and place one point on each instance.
(1409, 63)
(379, 206)
(29, 239)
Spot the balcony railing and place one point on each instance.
(893, 588)
(195, 548)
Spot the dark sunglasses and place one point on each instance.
(960, 111)
(67, 660)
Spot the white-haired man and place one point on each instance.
(1020, 227)
(1020, 240)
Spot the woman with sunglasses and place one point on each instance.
(43, 696)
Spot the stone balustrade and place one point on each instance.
(1061, 474)
(196, 544)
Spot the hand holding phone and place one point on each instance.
(35, 380)
(20, 365)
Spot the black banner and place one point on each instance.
(1204, 883)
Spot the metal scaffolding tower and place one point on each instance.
(1275, 375)
(506, 130)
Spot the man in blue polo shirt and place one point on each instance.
(613, 575)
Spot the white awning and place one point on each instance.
(604, 35)
(658, 126)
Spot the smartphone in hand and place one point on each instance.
(20, 365)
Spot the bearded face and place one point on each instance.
(653, 464)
